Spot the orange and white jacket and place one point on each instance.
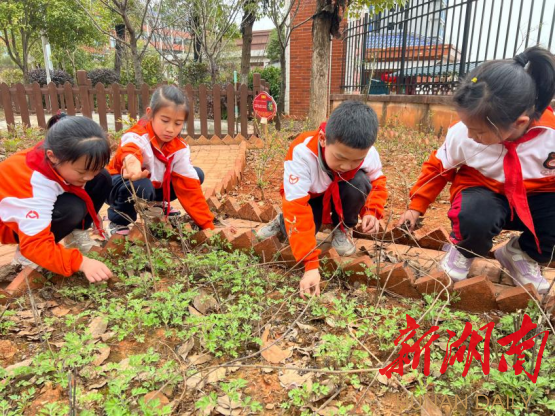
(466, 163)
(27, 200)
(186, 184)
(303, 178)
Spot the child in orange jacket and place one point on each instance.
(331, 175)
(158, 162)
(500, 160)
(54, 190)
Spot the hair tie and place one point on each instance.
(521, 59)
(474, 80)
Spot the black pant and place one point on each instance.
(478, 215)
(121, 201)
(70, 212)
(353, 197)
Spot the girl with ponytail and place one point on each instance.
(500, 160)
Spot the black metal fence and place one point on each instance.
(426, 46)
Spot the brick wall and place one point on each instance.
(300, 60)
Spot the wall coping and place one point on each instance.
(394, 98)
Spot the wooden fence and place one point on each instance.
(205, 103)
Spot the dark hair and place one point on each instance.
(354, 124)
(71, 137)
(55, 119)
(166, 96)
(500, 91)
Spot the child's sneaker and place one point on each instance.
(19, 259)
(521, 268)
(271, 229)
(80, 239)
(455, 264)
(117, 229)
(173, 211)
(342, 242)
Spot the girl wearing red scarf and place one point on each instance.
(158, 162)
(500, 159)
(54, 190)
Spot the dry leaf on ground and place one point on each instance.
(273, 353)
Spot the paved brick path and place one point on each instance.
(214, 160)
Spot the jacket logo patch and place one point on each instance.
(293, 179)
(32, 215)
(549, 163)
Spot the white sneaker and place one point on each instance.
(521, 268)
(455, 264)
(19, 259)
(342, 242)
(80, 239)
(271, 229)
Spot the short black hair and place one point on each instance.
(499, 91)
(71, 137)
(166, 96)
(353, 124)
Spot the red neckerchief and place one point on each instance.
(166, 182)
(515, 191)
(37, 161)
(333, 190)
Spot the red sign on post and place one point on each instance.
(264, 106)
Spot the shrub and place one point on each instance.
(196, 73)
(11, 76)
(58, 77)
(105, 76)
(273, 76)
(152, 70)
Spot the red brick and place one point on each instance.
(98, 249)
(267, 248)
(214, 204)
(18, 286)
(219, 188)
(513, 299)
(476, 294)
(201, 237)
(399, 279)
(226, 183)
(115, 245)
(5, 297)
(356, 271)
(135, 235)
(250, 211)
(330, 260)
(397, 235)
(209, 193)
(286, 255)
(432, 283)
(226, 235)
(244, 241)
(486, 267)
(433, 239)
(269, 213)
(230, 207)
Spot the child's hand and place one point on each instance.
(370, 224)
(132, 169)
(95, 271)
(310, 284)
(410, 217)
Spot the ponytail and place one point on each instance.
(541, 67)
(500, 91)
(55, 119)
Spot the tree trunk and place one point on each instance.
(246, 30)
(319, 79)
(213, 69)
(120, 35)
(283, 85)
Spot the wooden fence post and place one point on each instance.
(70, 104)
(53, 94)
(82, 79)
(116, 103)
(101, 103)
(37, 98)
(255, 84)
(243, 109)
(217, 103)
(131, 101)
(23, 108)
(7, 105)
(191, 118)
(203, 113)
(231, 110)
